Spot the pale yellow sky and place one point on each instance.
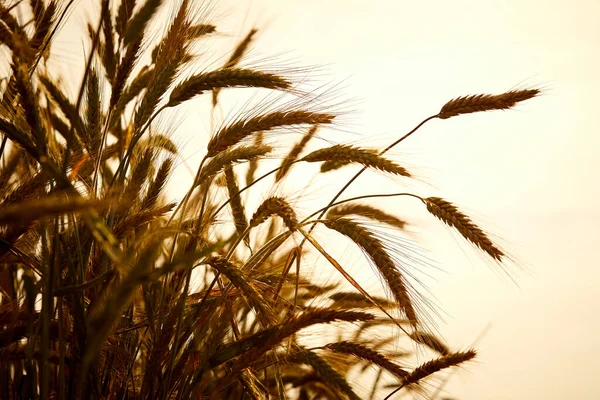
(528, 175)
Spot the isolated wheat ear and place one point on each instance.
(452, 216)
(443, 362)
(485, 102)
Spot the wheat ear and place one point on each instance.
(275, 206)
(234, 133)
(235, 58)
(327, 373)
(257, 344)
(452, 216)
(367, 211)
(430, 341)
(240, 281)
(292, 156)
(485, 102)
(438, 364)
(349, 154)
(358, 300)
(137, 24)
(367, 354)
(382, 260)
(225, 78)
(235, 155)
(253, 164)
(235, 202)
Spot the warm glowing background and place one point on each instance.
(529, 175)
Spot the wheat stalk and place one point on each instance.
(234, 133)
(224, 78)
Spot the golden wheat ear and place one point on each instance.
(430, 341)
(253, 164)
(225, 78)
(438, 364)
(137, 23)
(485, 102)
(369, 355)
(235, 58)
(431, 367)
(348, 300)
(228, 157)
(241, 282)
(235, 202)
(452, 216)
(275, 206)
(367, 211)
(384, 263)
(254, 346)
(292, 156)
(239, 130)
(340, 154)
(327, 373)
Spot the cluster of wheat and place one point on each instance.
(98, 298)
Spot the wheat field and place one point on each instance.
(110, 288)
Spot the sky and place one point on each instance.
(528, 175)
